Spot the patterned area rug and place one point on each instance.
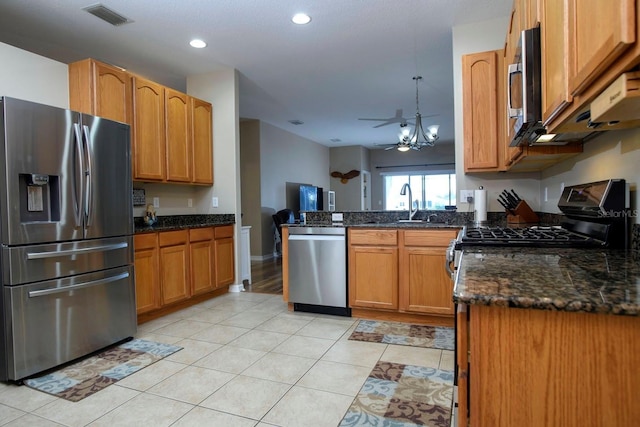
(404, 334)
(88, 376)
(398, 395)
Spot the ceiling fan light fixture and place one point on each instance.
(403, 147)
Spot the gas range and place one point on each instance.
(595, 216)
(535, 236)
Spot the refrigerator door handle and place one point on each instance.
(71, 252)
(44, 292)
(88, 173)
(79, 195)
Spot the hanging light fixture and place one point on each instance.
(419, 138)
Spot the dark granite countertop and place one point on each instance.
(403, 225)
(180, 222)
(587, 280)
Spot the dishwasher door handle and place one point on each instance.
(308, 237)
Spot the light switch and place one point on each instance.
(156, 202)
(214, 202)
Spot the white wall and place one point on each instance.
(32, 77)
(480, 37)
(615, 154)
(288, 157)
(345, 159)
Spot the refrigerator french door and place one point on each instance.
(66, 224)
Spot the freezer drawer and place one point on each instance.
(60, 320)
(36, 263)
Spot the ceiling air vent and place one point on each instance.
(296, 122)
(107, 14)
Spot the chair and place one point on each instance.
(284, 216)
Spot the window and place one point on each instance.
(429, 192)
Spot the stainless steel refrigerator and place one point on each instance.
(66, 226)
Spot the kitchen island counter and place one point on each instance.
(573, 280)
(547, 337)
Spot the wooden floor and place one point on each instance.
(266, 277)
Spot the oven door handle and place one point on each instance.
(450, 258)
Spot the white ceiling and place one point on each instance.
(356, 58)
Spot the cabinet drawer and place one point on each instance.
(200, 234)
(145, 241)
(429, 237)
(170, 238)
(373, 237)
(224, 231)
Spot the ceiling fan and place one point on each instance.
(398, 118)
(417, 139)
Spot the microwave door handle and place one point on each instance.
(89, 176)
(513, 112)
(78, 196)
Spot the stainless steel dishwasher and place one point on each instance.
(318, 270)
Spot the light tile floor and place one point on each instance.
(247, 361)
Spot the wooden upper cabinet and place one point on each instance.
(483, 119)
(101, 90)
(178, 135)
(599, 32)
(149, 151)
(554, 34)
(531, 15)
(202, 151)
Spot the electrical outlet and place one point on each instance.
(156, 202)
(336, 217)
(466, 196)
(214, 202)
(189, 203)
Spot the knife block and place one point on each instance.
(523, 214)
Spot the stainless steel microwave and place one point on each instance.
(524, 95)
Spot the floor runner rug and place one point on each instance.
(88, 376)
(440, 337)
(398, 395)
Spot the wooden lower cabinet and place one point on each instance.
(539, 368)
(425, 286)
(174, 266)
(373, 277)
(224, 256)
(401, 271)
(201, 254)
(146, 261)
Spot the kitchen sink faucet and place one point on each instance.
(404, 192)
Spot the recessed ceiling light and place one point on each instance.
(197, 43)
(301, 18)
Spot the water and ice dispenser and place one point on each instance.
(39, 198)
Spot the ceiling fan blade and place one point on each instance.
(388, 122)
(390, 148)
